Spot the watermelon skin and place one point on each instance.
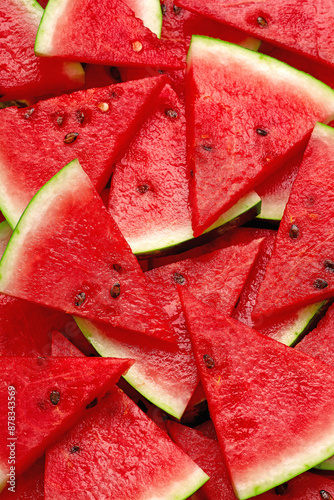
(297, 26)
(166, 374)
(110, 439)
(296, 262)
(263, 142)
(22, 74)
(107, 33)
(30, 485)
(38, 421)
(272, 406)
(37, 150)
(99, 278)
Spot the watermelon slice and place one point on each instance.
(301, 267)
(94, 125)
(297, 26)
(45, 397)
(100, 455)
(151, 186)
(166, 374)
(307, 486)
(271, 405)
(22, 74)
(29, 486)
(251, 140)
(61, 346)
(149, 11)
(67, 253)
(107, 33)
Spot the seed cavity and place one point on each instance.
(294, 232)
(54, 397)
(320, 284)
(163, 9)
(60, 120)
(92, 403)
(261, 21)
(137, 46)
(142, 189)
(80, 299)
(281, 489)
(75, 449)
(70, 137)
(171, 113)
(80, 116)
(103, 106)
(325, 495)
(179, 278)
(176, 9)
(329, 264)
(28, 113)
(209, 361)
(115, 290)
(261, 131)
(207, 147)
(117, 267)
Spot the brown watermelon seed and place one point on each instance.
(325, 495)
(261, 131)
(70, 137)
(163, 9)
(294, 232)
(171, 113)
(209, 362)
(142, 189)
(103, 106)
(178, 278)
(262, 22)
(41, 361)
(92, 403)
(75, 449)
(329, 264)
(137, 46)
(176, 9)
(117, 267)
(191, 173)
(320, 284)
(207, 147)
(28, 113)
(281, 489)
(161, 72)
(80, 116)
(54, 397)
(80, 299)
(115, 290)
(114, 72)
(60, 120)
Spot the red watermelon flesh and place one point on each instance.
(61, 346)
(107, 33)
(207, 429)
(77, 251)
(94, 126)
(302, 26)
(301, 267)
(98, 76)
(49, 395)
(29, 486)
(22, 74)
(229, 159)
(166, 374)
(100, 455)
(207, 454)
(307, 486)
(271, 405)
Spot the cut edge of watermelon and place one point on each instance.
(271, 209)
(326, 464)
(47, 27)
(180, 490)
(149, 11)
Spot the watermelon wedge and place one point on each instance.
(106, 444)
(166, 374)
(107, 33)
(271, 405)
(61, 346)
(251, 140)
(67, 243)
(23, 74)
(300, 269)
(297, 26)
(93, 125)
(45, 397)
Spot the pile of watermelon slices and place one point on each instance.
(167, 250)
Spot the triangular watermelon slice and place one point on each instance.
(67, 253)
(303, 26)
(272, 406)
(101, 33)
(23, 74)
(44, 397)
(256, 123)
(61, 346)
(94, 126)
(101, 455)
(300, 271)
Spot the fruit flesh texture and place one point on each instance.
(30, 485)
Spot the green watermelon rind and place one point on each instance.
(326, 465)
(108, 347)
(163, 243)
(183, 489)
(271, 210)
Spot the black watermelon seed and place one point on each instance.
(281, 489)
(178, 278)
(209, 362)
(54, 397)
(325, 495)
(28, 113)
(70, 137)
(92, 403)
(163, 9)
(114, 72)
(161, 72)
(207, 147)
(117, 267)
(320, 284)
(329, 264)
(80, 116)
(115, 291)
(80, 299)
(191, 173)
(176, 9)
(75, 449)
(41, 361)
(294, 231)
(261, 131)
(142, 189)
(171, 113)
(261, 22)
(60, 120)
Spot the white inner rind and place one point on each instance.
(54, 10)
(184, 488)
(149, 11)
